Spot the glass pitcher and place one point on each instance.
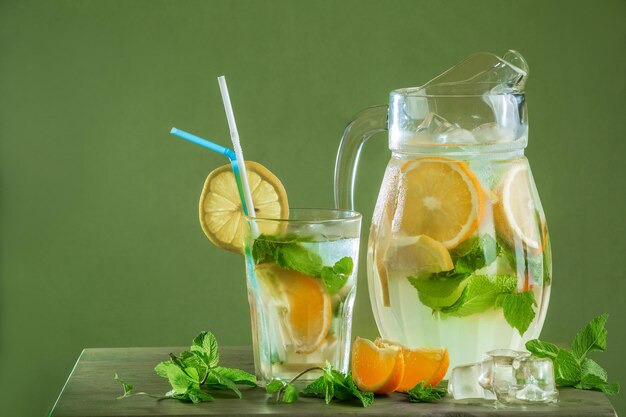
(458, 253)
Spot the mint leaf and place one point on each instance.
(127, 387)
(287, 253)
(205, 346)
(236, 375)
(574, 368)
(286, 391)
(180, 380)
(437, 292)
(594, 382)
(518, 309)
(336, 385)
(263, 250)
(295, 257)
(274, 386)
(316, 388)
(196, 395)
(161, 368)
(336, 277)
(542, 349)
(476, 253)
(595, 377)
(291, 393)
(567, 370)
(223, 382)
(480, 294)
(422, 393)
(344, 266)
(194, 360)
(591, 367)
(366, 398)
(592, 337)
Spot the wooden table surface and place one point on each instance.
(90, 391)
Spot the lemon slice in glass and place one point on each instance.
(221, 214)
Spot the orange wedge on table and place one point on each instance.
(440, 198)
(377, 369)
(422, 364)
(221, 215)
(308, 312)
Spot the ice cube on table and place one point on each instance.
(463, 383)
(507, 376)
(534, 380)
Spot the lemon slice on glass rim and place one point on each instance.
(221, 213)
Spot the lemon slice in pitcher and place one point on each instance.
(440, 198)
(515, 211)
(221, 214)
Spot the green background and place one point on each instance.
(99, 236)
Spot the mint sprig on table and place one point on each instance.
(572, 368)
(462, 292)
(287, 252)
(195, 373)
(331, 385)
(422, 393)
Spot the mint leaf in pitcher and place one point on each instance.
(440, 291)
(475, 253)
(518, 309)
(480, 294)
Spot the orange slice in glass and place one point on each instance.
(308, 312)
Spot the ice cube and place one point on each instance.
(435, 129)
(456, 136)
(463, 382)
(493, 133)
(434, 124)
(507, 376)
(497, 373)
(534, 380)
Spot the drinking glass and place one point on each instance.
(301, 277)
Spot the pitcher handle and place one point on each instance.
(365, 124)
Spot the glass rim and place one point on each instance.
(344, 215)
(418, 92)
